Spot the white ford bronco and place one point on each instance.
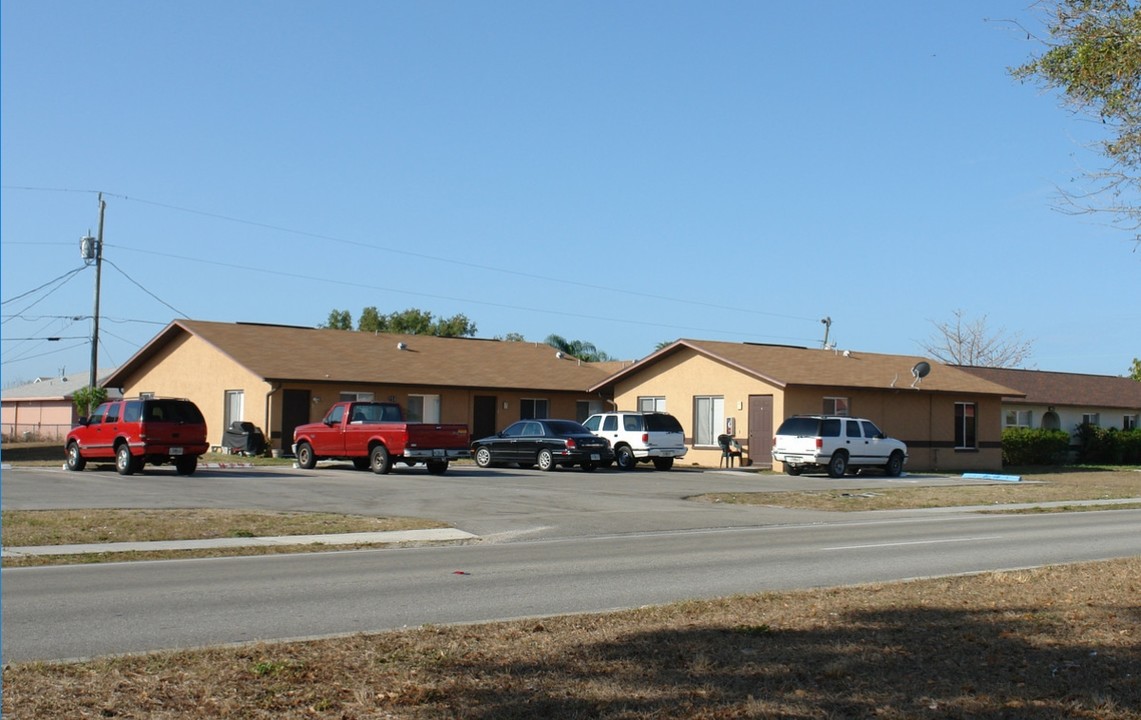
(640, 437)
(837, 444)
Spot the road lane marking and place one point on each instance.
(916, 542)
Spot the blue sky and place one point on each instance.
(622, 173)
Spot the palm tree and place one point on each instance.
(577, 349)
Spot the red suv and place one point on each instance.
(139, 431)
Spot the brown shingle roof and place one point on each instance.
(1058, 388)
(276, 352)
(784, 366)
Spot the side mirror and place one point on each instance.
(83, 421)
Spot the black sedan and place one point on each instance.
(546, 443)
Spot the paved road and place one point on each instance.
(82, 611)
(561, 542)
(500, 505)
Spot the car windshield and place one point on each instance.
(566, 427)
(660, 422)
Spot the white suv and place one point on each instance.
(837, 444)
(640, 437)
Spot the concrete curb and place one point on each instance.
(401, 536)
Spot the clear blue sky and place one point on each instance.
(619, 173)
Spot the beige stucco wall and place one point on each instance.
(681, 377)
(193, 369)
(924, 420)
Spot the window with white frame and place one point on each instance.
(533, 408)
(708, 419)
(966, 437)
(356, 397)
(1129, 422)
(836, 406)
(1017, 418)
(424, 408)
(235, 407)
(651, 404)
(1091, 419)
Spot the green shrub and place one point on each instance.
(1129, 444)
(1034, 446)
(1097, 445)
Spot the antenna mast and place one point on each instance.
(827, 326)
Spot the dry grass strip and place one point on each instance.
(1058, 642)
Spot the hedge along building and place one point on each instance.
(278, 377)
(950, 419)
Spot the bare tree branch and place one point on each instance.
(963, 341)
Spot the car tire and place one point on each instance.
(792, 470)
(124, 461)
(186, 465)
(624, 456)
(545, 461)
(838, 465)
(437, 467)
(483, 457)
(306, 460)
(379, 460)
(894, 467)
(75, 459)
(663, 463)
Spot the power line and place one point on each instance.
(49, 282)
(10, 360)
(341, 282)
(424, 256)
(69, 276)
(148, 292)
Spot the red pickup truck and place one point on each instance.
(374, 435)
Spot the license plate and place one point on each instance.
(595, 456)
(176, 451)
(439, 452)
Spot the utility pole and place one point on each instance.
(95, 253)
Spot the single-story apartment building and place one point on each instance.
(43, 410)
(1064, 401)
(279, 377)
(949, 418)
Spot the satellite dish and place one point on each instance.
(559, 355)
(401, 346)
(920, 371)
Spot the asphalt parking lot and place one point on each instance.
(496, 504)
